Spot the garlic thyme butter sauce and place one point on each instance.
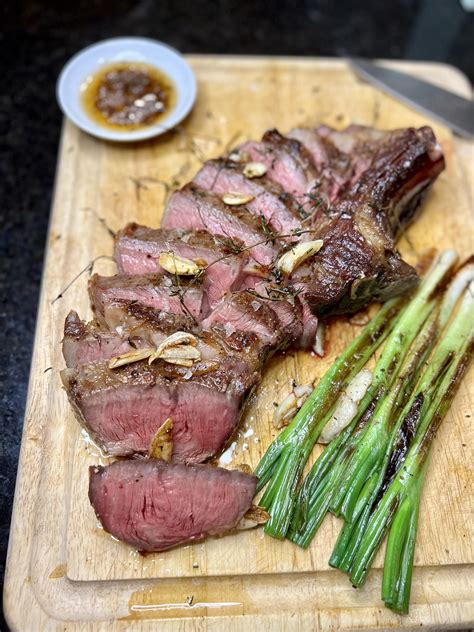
(128, 95)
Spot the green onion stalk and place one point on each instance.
(400, 551)
(321, 484)
(400, 436)
(281, 466)
(399, 554)
(398, 508)
(350, 537)
(345, 469)
(372, 447)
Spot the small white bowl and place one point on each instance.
(138, 49)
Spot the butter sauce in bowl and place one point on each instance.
(126, 89)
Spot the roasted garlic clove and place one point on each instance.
(128, 358)
(255, 170)
(236, 199)
(161, 446)
(178, 265)
(297, 255)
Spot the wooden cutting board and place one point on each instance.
(63, 571)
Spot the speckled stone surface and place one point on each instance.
(37, 39)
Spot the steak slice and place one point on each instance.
(138, 248)
(89, 342)
(270, 200)
(84, 343)
(242, 311)
(129, 317)
(194, 208)
(154, 506)
(123, 408)
(288, 162)
(336, 170)
(159, 292)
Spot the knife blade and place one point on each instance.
(452, 110)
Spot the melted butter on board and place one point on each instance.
(128, 95)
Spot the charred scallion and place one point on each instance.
(372, 473)
(281, 467)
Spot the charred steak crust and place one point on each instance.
(406, 165)
(357, 264)
(155, 506)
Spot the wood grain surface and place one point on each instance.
(64, 572)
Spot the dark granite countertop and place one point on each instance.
(37, 39)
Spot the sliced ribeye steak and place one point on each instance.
(138, 249)
(123, 408)
(355, 189)
(163, 293)
(154, 506)
(287, 161)
(267, 198)
(194, 208)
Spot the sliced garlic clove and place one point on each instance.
(288, 408)
(183, 355)
(302, 392)
(239, 156)
(178, 265)
(358, 386)
(128, 358)
(285, 411)
(179, 348)
(236, 199)
(255, 170)
(318, 345)
(344, 413)
(178, 338)
(298, 254)
(254, 517)
(161, 446)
